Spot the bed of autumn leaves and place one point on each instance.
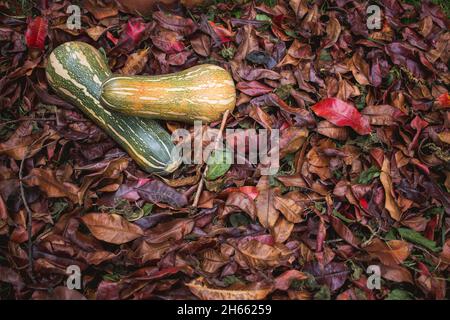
(364, 176)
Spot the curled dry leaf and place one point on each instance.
(111, 228)
(254, 291)
(135, 62)
(390, 202)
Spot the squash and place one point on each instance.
(203, 92)
(76, 71)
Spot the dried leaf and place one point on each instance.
(111, 228)
(255, 291)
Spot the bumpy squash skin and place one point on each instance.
(203, 92)
(76, 70)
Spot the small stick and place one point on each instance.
(216, 144)
(27, 208)
(29, 215)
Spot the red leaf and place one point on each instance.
(250, 191)
(341, 113)
(418, 123)
(134, 30)
(36, 33)
(431, 227)
(253, 88)
(224, 34)
(444, 100)
(113, 39)
(283, 281)
(363, 203)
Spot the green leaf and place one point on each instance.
(417, 238)
(58, 207)
(342, 217)
(239, 219)
(325, 56)
(323, 293)
(218, 164)
(263, 17)
(399, 294)
(368, 175)
(229, 280)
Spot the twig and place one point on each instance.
(29, 212)
(26, 119)
(216, 144)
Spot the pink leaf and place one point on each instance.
(341, 113)
(418, 124)
(134, 30)
(36, 33)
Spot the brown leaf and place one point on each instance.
(201, 44)
(390, 253)
(282, 230)
(360, 69)
(300, 7)
(284, 280)
(333, 32)
(151, 251)
(22, 143)
(259, 255)
(238, 201)
(135, 62)
(46, 180)
(329, 130)
(172, 230)
(396, 273)
(289, 208)
(265, 209)
(390, 202)
(111, 228)
(101, 10)
(95, 32)
(344, 232)
(254, 291)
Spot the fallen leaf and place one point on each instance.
(254, 291)
(341, 113)
(36, 33)
(391, 253)
(111, 228)
(390, 202)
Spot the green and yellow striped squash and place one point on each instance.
(203, 92)
(76, 71)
